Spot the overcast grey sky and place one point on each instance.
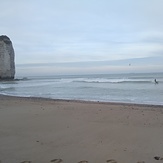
(84, 36)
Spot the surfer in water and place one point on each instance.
(156, 82)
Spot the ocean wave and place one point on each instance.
(3, 88)
(114, 81)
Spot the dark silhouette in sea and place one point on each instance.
(156, 82)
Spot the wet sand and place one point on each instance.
(42, 131)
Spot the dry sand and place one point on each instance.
(44, 130)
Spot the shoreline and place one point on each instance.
(46, 130)
(83, 101)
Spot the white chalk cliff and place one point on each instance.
(7, 64)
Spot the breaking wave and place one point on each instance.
(114, 81)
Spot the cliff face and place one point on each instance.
(7, 64)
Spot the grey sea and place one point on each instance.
(127, 88)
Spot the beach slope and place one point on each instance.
(44, 130)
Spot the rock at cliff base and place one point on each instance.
(7, 55)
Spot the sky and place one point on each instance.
(84, 36)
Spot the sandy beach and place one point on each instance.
(43, 130)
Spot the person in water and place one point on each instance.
(156, 82)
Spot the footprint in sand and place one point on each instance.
(57, 160)
(26, 162)
(140, 162)
(111, 161)
(83, 161)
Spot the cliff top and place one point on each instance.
(5, 39)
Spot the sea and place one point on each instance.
(124, 88)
